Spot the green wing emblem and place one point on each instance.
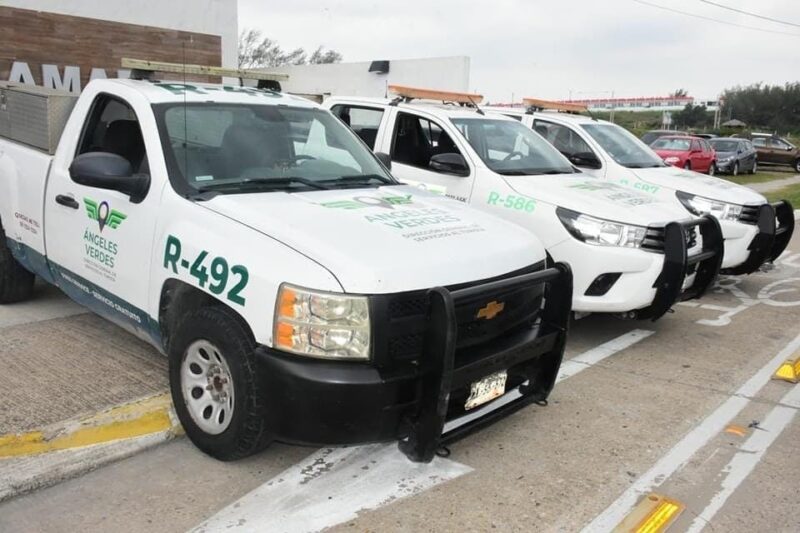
(91, 208)
(344, 204)
(115, 218)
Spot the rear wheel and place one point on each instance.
(712, 169)
(16, 283)
(216, 390)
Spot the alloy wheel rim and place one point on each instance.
(207, 387)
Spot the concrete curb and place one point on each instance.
(42, 458)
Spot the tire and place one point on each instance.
(216, 390)
(687, 166)
(16, 283)
(755, 167)
(735, 171)
(797, 166)
(712, 169)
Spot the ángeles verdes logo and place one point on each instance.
(103, 214)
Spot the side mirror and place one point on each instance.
(585, 159)
(385, 159)
(450, 163)
(104, 170)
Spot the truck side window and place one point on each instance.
(364, 121)
(564, 139)
(417, 139)
(112, 127)
(760, 142)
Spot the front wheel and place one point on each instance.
(735, 170)
(797, 166)
(16, 283)
(755, 167)
(687, 166)
(216, 390)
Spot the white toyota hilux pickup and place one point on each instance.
(300, 292)
(755, 231)
(630, 253)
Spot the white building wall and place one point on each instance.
(354, 79)
(215, 17)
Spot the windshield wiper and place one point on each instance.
(264, 182)
(644, 165)
(357, 178)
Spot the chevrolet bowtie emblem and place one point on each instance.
(491, 310)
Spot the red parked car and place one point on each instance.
(691, 153)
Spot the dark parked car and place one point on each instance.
(735, 155)
(652, 135)
(776, 151)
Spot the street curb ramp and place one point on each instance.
(37, 459)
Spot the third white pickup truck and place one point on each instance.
(755, 231)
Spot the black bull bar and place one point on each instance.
(677, 262)
(775, 228)
(538, 351)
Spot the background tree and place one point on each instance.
(257, 51)
(774, 108)
(691, 116)
(680, 93)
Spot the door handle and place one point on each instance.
(67, 201)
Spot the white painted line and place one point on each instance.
(698, 437)
(330, 487)
(568, 369)
(748, 456)
(333, 485)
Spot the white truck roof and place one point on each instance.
(167, 91)
(564, 117)
(439, 110)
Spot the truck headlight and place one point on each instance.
(601, 232)
(697, 205)
(322, 324)
(672, 160)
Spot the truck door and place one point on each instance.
(414, 144)
(99, 243)
(572, 145)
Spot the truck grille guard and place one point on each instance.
(678, 237)
(775, 224)
(542, 345)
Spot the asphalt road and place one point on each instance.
(683, 407)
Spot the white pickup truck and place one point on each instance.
(630, 253)
(755, 231)
(300, 292)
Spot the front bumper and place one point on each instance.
(323, 402)
(677, 264)
(775, 223)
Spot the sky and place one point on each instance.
(554, 48)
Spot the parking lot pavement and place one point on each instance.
(61, 362)
(683, 407)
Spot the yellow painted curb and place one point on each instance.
(136, 419)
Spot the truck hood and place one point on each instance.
(598, 198)
(694, 183)
(384, 240)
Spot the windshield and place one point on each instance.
(236, 148)
(667, 143)
(509, 148)
(725, 146)
(623, 146)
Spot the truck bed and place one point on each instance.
(23, 182)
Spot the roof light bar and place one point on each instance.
(411, 93)
(144, 66)
(556, 106)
